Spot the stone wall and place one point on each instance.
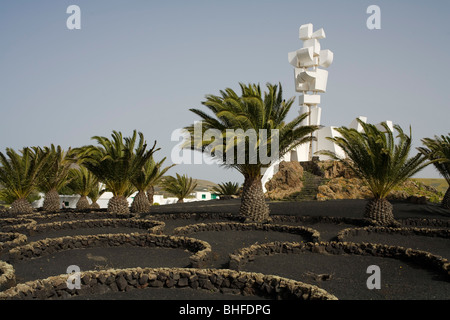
(309, 233)
(5, 213)
(181, 216)
(151, 226)
(347, 234)
(425, 222)
(7, 276)
(9, 240)
(317, 219)
(73, 215)
(219, 281)
(244, 255)
(20, 225)
(49, 246)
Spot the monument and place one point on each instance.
(310, 79)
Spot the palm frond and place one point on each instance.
(116, 161)
(180, 186)
(438, 151)
(227, 188)
(20, 172)
(264, 113)
(376, 157)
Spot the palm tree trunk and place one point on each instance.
(380, 210)
(140, 203)
(118, 204)
(94, 205)
(83, 203)
(150, 194)
(181, 200)
(253, 203)
(21, 206)
(51, 201)
(446, 200)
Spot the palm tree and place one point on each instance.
(438, 150)
(179, 186)
(157, 173)
(114, 162)
(227, 189)
(264, 116)
(96, 192)
(57, 175)
(82, 183)
(19, 176)
(145, 180)
(380, 162)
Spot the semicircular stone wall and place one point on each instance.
(201, 249)
(213, 280)
(309, 233)
(239, 259)
(7, 276)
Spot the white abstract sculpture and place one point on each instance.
(307, 60)
(310, 80)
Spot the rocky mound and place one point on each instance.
(342, 188)
(287, 181)
(328, 169)
(339, 183)
(353, 188)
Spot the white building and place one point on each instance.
(196, 196)
(70, 201)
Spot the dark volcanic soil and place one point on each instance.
(347, 274)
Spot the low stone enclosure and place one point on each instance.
(9, 240)
(280, 219)
(201, 249)
(20, 225)
(310, 234)
(73, 215)
(316, 219)
(213, 280)
(7, 276)
(28, 227)
(14, 247)
(347, 234)
(240, 258)
(151, 226)
(28, 224)
(198, 216)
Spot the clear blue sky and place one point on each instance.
(142, 64)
